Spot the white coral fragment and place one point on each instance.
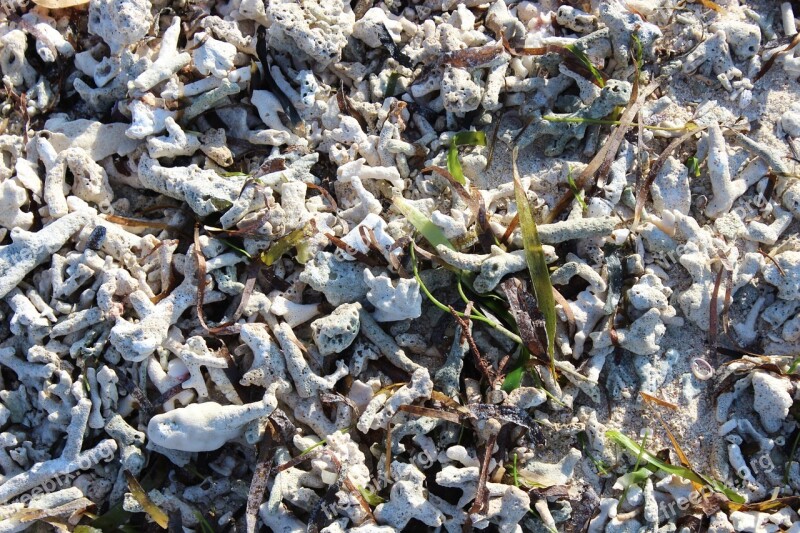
(380, 409)
(337, 331)
(784, 274)
(169, 60)
(400, 300)
(202, 427)
(726, 190)
(318, 29)
(213, 57)
(121, 23)
(772, 400)
(408, 500)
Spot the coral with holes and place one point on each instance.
(566, 128)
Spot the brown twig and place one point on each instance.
(482, 494)
(483, 366)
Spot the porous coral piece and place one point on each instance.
(213, 57)
(12, 199)
(147, 119)
(340, 281)
(214, 144)
(642, 337)
(461, 93)
(12, 59)
(575, 228)
(564, 274)
(506, 504)
(168, 62)
(196, 354)
(205, 191)
(784, 274)
(550, 474)
(307, 383)
(671, 187)
(408, 500)
(370, 27)
(772, 400)
(726, 190)
(568, 127)
(90, 182)
(650, 293)
(71, 459)
(385, 343)
(400, 300)
(576, 20)
(137, 340)
(175, 143)
(381, 410)
(120, 23)
(625, 28)
(494, 266)
(337, 331)
(713, 56)
(203, 427)
(316, 29)
(30, 250)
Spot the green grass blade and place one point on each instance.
(462, 138)
(575, 191)
(454, 165)
(232, 246)
(686, 473)
(514, 378)
(586, 62)
(537, 265)
(422, 223)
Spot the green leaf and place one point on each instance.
(282, 246)
(638, 53)
(682, 471)
(586, 62)
(537, 264)
(635, 477)
(138, 493)
(116, 517)
(372, 498)
(462, 138)
(470, 138)
(514, 378)
(583, 445)
(693, 164)
(422, 223)
(391, 84)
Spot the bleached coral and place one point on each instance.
(207, 426)
(316, 29)
(400, 300)
(121, 23)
